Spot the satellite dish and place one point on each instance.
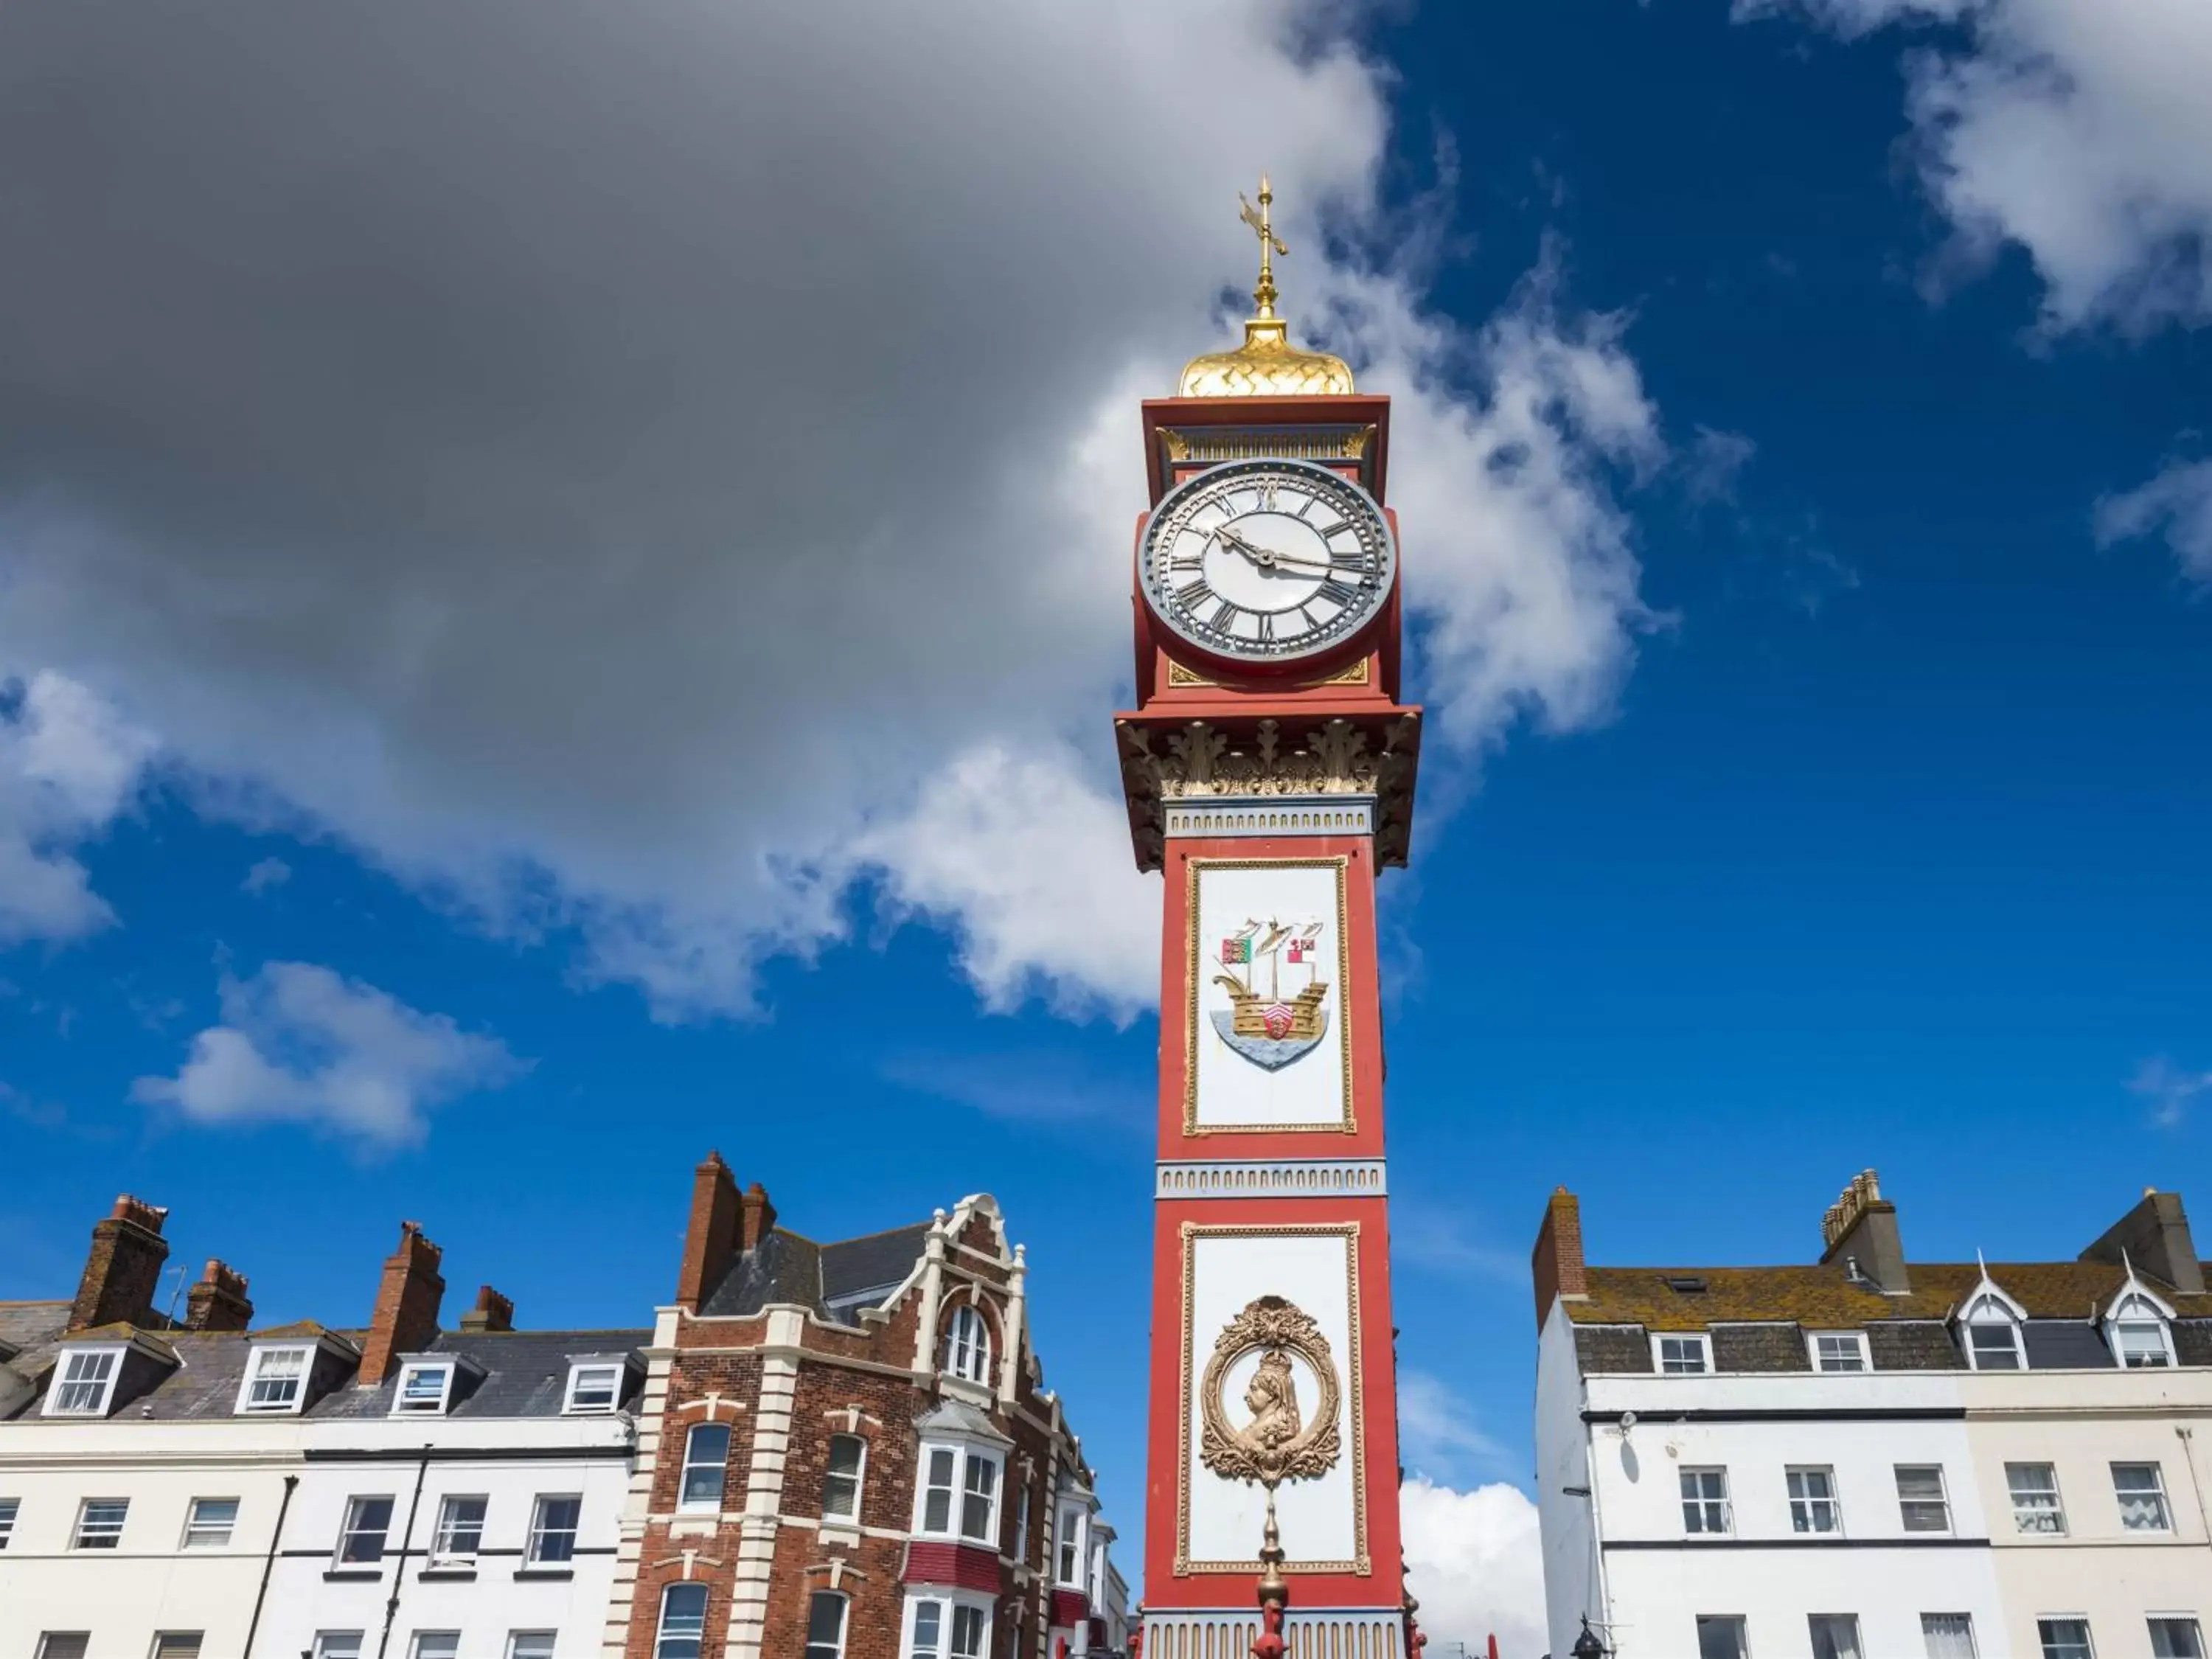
(1628, 1421)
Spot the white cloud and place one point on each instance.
(266, 874)
(2176, 505)
(743, 504)
(2080, 132)
(1442, 1440)
(1475, 1561)
(2169, 1089)
(300, 1044)
(68, 765)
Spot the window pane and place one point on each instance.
(63, 1645)
(177, 1644)
(1920, 1503)
(437, 1644)
(2064, 1638)
(706, 1451)
(338, 1645)
(1704, 1500)
(929, 1630)
(1947, 1635)
(9, 1506)
(1995, 1347)
(553, 1529)
(100, 1523)
(423, 1388)
(1811, 1501)
(1838, 1354)
(367, 1520)
(2142, 1343)
(1835, 1635)
(2141, 1495)
(976, 1507)
(1720, 1636)
(825, 1626)
(967, 1632)
(841, 1481)
(594, 1387)
(460, 1527)
(682, 1622)
(530, 1644)
(85, 1377)
(2176, 1638)
(2034, 1491)
(209, 1522)
(278, 1374)
(1682, 1356)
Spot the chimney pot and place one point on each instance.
(759, 1218)
(218, 1302)
(493, 1312)
(1861, 1227)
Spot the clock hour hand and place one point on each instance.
(1266, 558)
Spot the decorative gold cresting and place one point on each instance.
(1267, 365)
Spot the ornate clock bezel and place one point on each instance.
(1359, 509)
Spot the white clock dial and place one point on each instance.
(1267, 561)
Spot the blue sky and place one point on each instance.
(1863, 826)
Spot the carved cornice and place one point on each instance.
(1201, 760)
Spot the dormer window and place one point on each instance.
(426, 1388)
(1690, 1355)
(275, 1379)
(84, 1382)
(594, 1386)
(1992, 1327)
(2137, 1328)
(968, 1346)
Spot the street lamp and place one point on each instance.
(1587, 1646)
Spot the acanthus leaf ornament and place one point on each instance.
(1278, 1444)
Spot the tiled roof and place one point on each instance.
(787, 1268)
(1822, 1298)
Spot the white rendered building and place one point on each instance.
(194, 1490)
(1873, 1458)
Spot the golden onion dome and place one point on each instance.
(1267, 365)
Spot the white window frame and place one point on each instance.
(1942, 1497)
(1991, 1308)
(110, 1537)
(2120, 1499)
(948, 1604)
(687, 1504)
(963, 1455)
(808, 1647)
(2195, 1626)
(1740, 1624)
(1857, 1340)
(415, 1644)
(347, 1529)
(103, 1385)
(166, 1640)
(2089, 1635)
(1973, 1643)
(660, 1624)
(859, 1477)
(1068, 1535)
(515, 1638)
(1727, 1528)
(966, 1352)
(1858, 1636)
(436, 1404)
(449, 1525)
(1802, 1473)
(194, 1523)
(579, 1371)
(9, 1508)
(1021, 1524)
(339, 1643)
(533, 1551)
(259, 1355)
(2137, 1309)
(2056, 1511)
(1702, 1341)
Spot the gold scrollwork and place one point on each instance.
(1276, 1445)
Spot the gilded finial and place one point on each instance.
(1267, 365)
(1263, 296)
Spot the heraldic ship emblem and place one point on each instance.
(1272, 1026)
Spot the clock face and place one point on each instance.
(1267, 561)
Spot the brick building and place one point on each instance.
(846, 1451)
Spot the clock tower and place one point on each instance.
(1269, 771)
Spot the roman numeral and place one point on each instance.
(1269, 496)
(1226, 615)
(1266, 628)
(1357, 560)
(1334, 589)
(1193, 596)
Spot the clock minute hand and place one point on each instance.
(1259, 555)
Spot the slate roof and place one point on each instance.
(1822, 1298)
(787, 1268)
(525, 1373)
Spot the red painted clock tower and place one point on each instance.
(1269, 769)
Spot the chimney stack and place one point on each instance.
(1557, 1261)
(122, 1269)
(218, 1302)
(759, 1218)
(2154, 1237)
(1862, 1225)
(406, 1317)
(710, 1241)
(493, 1312)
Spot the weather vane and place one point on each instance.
(1270, 245)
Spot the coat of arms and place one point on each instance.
(1271, 972)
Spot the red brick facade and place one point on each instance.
(788, 1344)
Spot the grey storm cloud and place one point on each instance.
(607, 463)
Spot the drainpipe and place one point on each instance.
(399, 1568)
(269, 1564)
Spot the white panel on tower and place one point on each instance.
(1268, 1047)
(1323, 1521)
